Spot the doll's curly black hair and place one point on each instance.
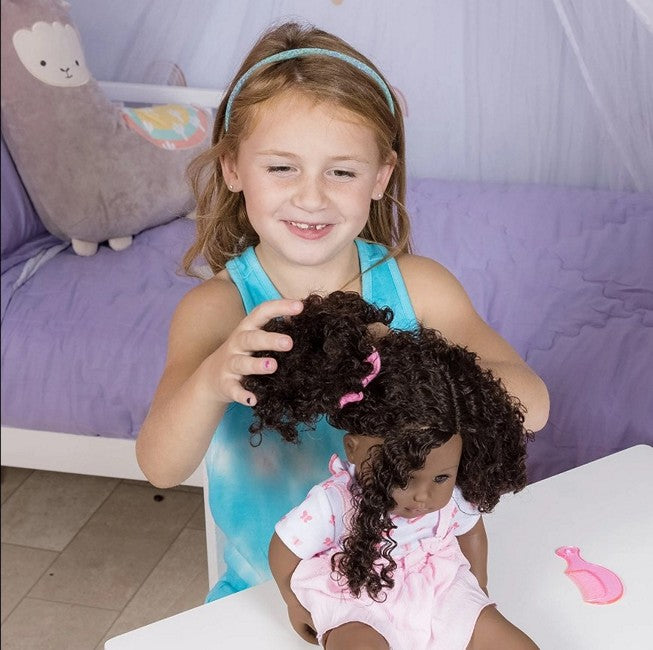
(427, 390)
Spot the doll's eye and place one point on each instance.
(76, 62)
(43, 63)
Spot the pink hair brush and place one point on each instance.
(597, 585)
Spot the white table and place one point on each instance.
(605, 508)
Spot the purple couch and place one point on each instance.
(566, 275)
(83, 338)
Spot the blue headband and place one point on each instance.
(306, 51)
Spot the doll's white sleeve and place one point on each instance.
(466, 514)
(310, 528)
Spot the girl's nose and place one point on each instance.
(309, 194)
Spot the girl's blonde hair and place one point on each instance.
(223, 228)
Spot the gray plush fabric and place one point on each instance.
(90, 177)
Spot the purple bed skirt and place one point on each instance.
(566, 275)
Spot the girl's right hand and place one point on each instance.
(226, 367)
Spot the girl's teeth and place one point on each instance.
(308, 226)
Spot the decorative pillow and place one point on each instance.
(94, 171)
(19, 223)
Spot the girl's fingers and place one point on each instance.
(257, 339)
(243, 396)
(251, 338)
(264, 312)
(248, 399)
(243, 364)
(264, 366)
(235, 392)
(246, 365)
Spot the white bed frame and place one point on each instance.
(95, 455)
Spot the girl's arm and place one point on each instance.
(209, 350)
(441, 302)
(473, 544)
(283, 563)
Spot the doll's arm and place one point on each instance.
(283, 563)
(473, 544)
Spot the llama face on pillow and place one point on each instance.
(95, 172)
(52, 53)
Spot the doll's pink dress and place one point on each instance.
(436, 599)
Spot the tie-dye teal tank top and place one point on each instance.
(251, 488)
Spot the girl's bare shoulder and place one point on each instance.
(414, 265)
(210, 311)
(218, 292)
(431, 286)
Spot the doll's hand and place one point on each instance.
(226, 367)
(300, 619)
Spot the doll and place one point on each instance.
(390, 550)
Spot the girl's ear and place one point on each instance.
(230, 172)
(384, 174)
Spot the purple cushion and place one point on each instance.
(21, 225)
(84, 339)
(23, 234)
(566, 276)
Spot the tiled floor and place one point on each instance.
(85, 558)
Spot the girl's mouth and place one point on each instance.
(309, 230)
(308, 226)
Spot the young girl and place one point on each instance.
(389, 551)
(302, 191)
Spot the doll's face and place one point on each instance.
(430, 488)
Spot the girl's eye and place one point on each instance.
(279, 169)
(343, 173)
(441, 478)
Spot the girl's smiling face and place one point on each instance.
(308, 172)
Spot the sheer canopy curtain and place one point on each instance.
(542, 91)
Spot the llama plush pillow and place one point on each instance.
(95, 172)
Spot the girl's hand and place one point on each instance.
(302, 623)
(226, 367)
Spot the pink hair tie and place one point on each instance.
(375, 359)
